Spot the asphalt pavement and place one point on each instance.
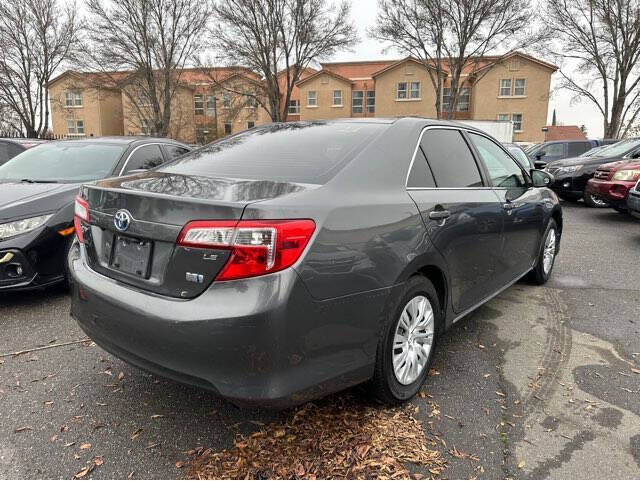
(541, 382)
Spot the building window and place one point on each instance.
(226, 100)
(227, 129)
(73, 99)
(75, 127)
(519, 86)
(312, 99)
(211, 105)
(198, 103)
(503, 117)
(337, 98)
(357, 100)
(251, 124)
(505, 87)
(294, 107)
(515, 64)
(371, 101)
(517, 122)
(464, 97)
(446, 99)
(402, 90)
(414, 90)
(251, 102)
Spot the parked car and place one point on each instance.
(37, 191)
(520, 155)
(294, 260)
(612, 182)
(547, 152)
(9, 148)
(571, 175)
(633, 201)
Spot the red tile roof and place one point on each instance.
(563, 132)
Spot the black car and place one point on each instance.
(551, 151)
(294, 260)
(9, 148)
(571, 175)
(37, 191)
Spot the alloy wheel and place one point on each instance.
(413, 340)
(549, 251)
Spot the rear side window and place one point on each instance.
(450, 159)
(174, 151)
(420, 175)
(145, 157)
(577, 148)
(304, 152)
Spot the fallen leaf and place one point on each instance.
(481, 346)
(637, 371)
(98, 461)
(69, 444)
(487, 375)
(521, 464)
(156, 416)
(85, 446)
(179, 464)
(83, 472)
(136, 433)
(120, 376)
(434, 372)
(23, 428)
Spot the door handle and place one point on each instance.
(508, 206)
(439, 214)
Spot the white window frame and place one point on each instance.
(226, 100)
(72, 100)
(507, 119)
(75, 128)
(503, 87)
(401, 93)
(515, 122)
(198, 99)
(464, 92)
(370, 108)
(295, 105)
(413, 90)
(312, 100)
(523, 87)
(339, 104)
(210, 111)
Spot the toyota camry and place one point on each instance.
(295, 260)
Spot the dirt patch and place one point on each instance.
(341, 439)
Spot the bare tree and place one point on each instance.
(36, 37)
(600, 41)
(279, 39)
(450, 36)
(142, 47)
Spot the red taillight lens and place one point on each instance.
(257, 247)
(81, 213)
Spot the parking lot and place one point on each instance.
(542, 382)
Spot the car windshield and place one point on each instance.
(619, 149)
(520, 156)
(302, 152)
(63, 162)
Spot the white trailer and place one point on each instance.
(501, 130)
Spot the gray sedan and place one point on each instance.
(295, 260)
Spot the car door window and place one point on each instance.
(553, 150)
(145, 157)
(503, 170)
(420, 175)
(450, 159)
(575, 149)
(174, 151)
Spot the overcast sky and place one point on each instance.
(364, 13)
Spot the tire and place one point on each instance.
(386, 385)
(540, 274)
(593, 201)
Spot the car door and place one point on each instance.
(461, 212)
(521, 205)
(143, 157)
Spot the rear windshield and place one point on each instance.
(65, 161)
(309, 153)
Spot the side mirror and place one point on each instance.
(540, 164)
(541, 178)
(539, 155)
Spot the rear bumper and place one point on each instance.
(615, 193)
(260, 341)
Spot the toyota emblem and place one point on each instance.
(121, 220)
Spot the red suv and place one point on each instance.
(612, 182)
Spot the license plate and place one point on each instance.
(131, 256)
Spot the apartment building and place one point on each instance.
(513, 87)
(207, 104)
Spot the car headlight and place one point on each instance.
(627, 174)
(569, 169)
(22, 226)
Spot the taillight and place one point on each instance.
(81, 213)
(257, 246)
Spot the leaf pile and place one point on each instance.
(343, 439)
